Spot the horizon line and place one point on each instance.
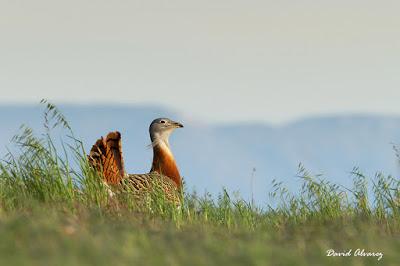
(221, 122)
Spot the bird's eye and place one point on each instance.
(162, 121)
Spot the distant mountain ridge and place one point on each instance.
(212, 156)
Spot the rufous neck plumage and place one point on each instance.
(164, 163)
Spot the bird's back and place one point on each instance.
(152, 184)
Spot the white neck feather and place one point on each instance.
(162, 140)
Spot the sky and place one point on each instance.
(219, 61)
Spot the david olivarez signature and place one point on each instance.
(357, 253)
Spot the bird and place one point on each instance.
(106, 158)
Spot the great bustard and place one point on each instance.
(106, 157)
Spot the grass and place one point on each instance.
(55, 211)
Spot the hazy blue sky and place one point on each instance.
(216, 60)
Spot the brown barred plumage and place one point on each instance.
(106, 157)
(141, 184)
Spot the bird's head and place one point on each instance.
(161, 128)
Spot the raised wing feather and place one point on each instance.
(106, 157)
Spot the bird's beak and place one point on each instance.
(177, 124)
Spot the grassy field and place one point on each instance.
(54, 211)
